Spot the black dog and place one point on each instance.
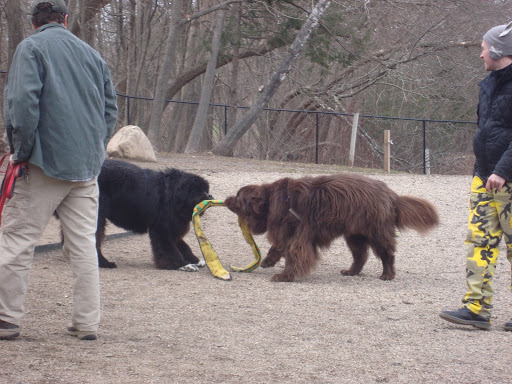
(157, 202)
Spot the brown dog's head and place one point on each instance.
(251, 203)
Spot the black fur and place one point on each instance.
(157, 202)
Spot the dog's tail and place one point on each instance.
(416, 213)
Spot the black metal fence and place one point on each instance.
(418, 145)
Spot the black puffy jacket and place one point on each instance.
(492, 142)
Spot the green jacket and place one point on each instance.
(60, 104)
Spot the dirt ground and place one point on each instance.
(188, 327)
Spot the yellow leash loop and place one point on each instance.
(210, 256)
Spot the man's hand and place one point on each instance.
(494, 182)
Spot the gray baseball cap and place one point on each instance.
(499, 41)
(58, 6)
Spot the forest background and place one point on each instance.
(417, 60)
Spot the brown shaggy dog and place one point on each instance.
(302, 215)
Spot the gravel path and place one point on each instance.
(177, 327)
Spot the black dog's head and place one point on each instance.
(189, 190)
(196, 189)
(251, 202)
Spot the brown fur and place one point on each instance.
(302, 215)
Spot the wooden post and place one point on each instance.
(353, 137)
(427, 162)
(387, 151)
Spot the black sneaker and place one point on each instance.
(508, 326)
(464, 316)
(8, 331)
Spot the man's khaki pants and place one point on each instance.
(24, 219)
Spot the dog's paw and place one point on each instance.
(282, 278)
(387, 276)
(189, 268)
(267, 264)
(348, 272)
(201, 264)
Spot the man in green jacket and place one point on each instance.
(60, 110)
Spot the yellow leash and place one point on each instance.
(210, 256)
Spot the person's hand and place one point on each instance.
(494, 182)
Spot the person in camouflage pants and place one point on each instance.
(491, 190)
(489, 220)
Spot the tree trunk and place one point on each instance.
(183, 114)
(177, 21)
(158, 105)
(83, 24)
(129, 52)
(15, 23)
(146, 13)
(227, 145)
(209, 78)
(233, 94)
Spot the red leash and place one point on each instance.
(11, 174)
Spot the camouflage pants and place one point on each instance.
(490, 219)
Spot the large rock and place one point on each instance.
(130, 142)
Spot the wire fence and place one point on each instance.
(418, 145)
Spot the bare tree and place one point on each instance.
(15, 22)
(168, 63)
(177, 22)
(380, 57)
(83, 23)
(235, 66)
(204, 101)
(142, 14)
(183, 114)
(397, 62)
(226, 146)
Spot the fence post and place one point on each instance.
(425, 148)
(128, 110)
(426, 171)
(387, 151)
(316, 139)
(353, 137)
(225, 120)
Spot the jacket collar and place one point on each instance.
(507, 71)
(497, 77)
(49, 25)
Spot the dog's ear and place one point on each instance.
(184, 190)
(251, 203)
(198, 189)
(257, 201)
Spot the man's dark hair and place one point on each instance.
(46, 16)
